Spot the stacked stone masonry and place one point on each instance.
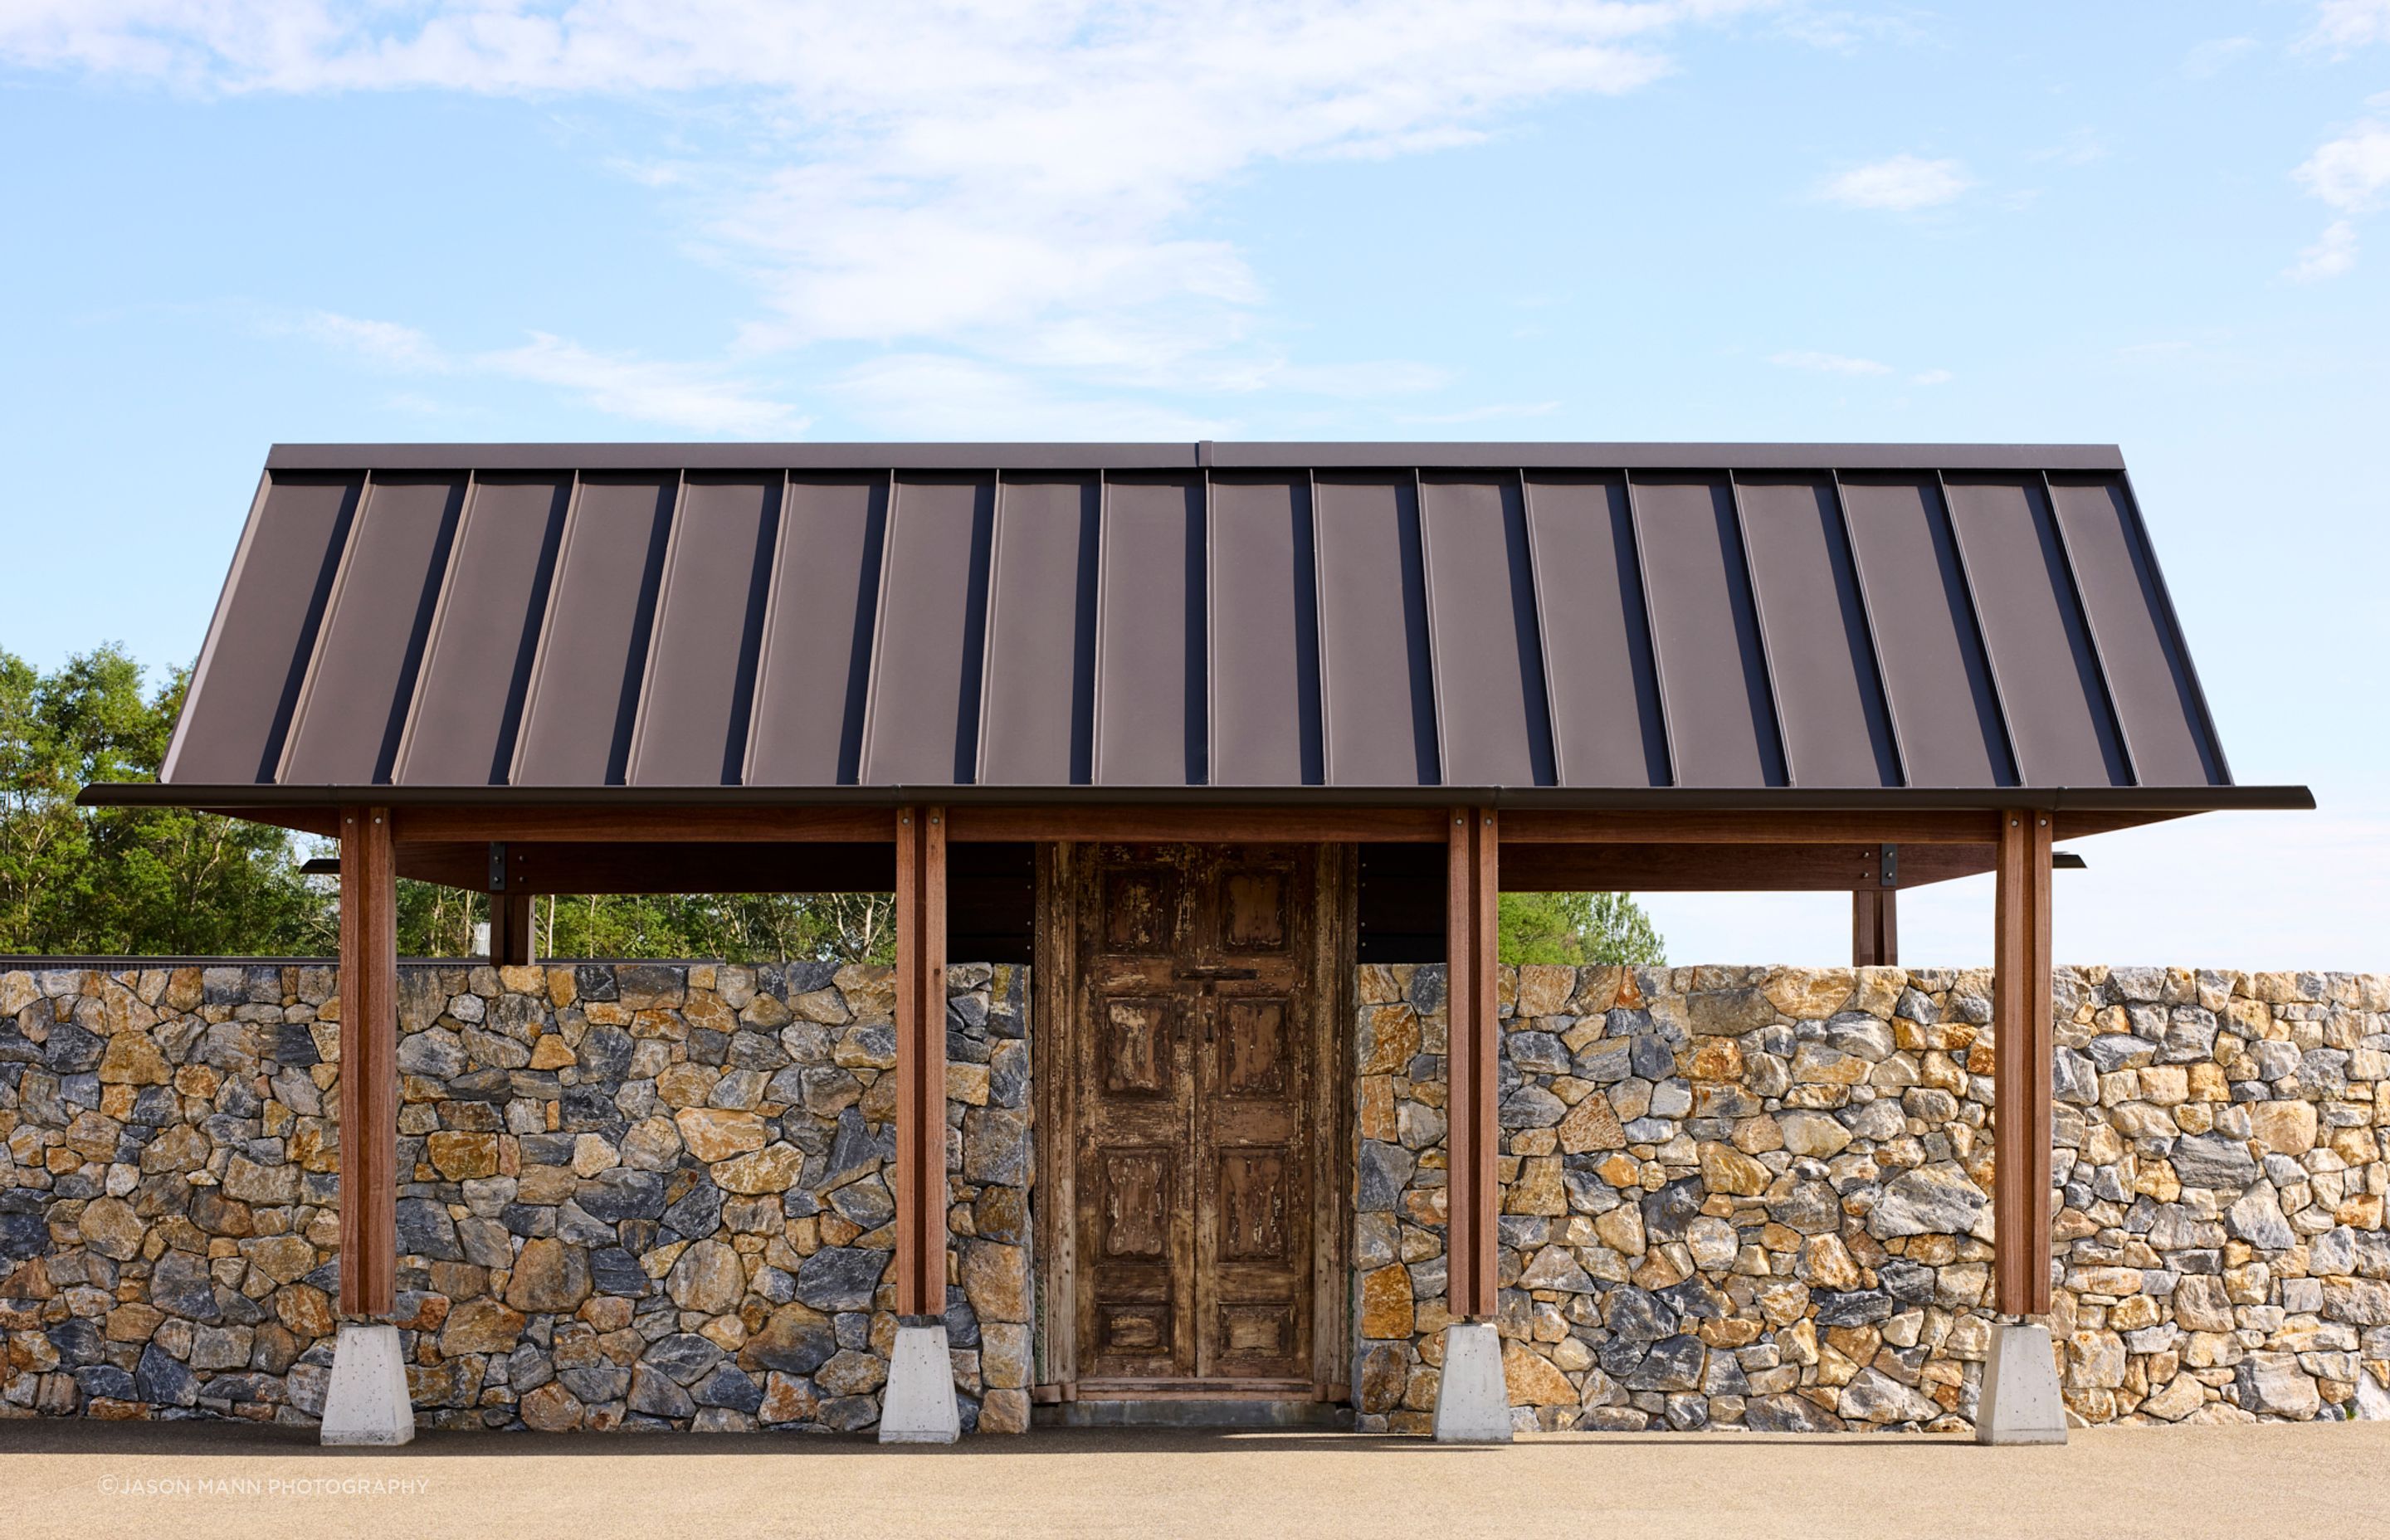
(632, 1195)
(1758, 1197)
(655, 1195)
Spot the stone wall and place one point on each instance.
(654, 1194)
(1757, 1198)
(633, 1194)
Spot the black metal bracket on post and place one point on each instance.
(1887, 865)
(498, 865)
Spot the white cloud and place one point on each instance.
(699, 398)
(383, 342)
(2342, 26)
(1902, 183)
(1932, 377)
(2351, 171)
(2349, 174)
(693, 396)
(1019, 181)
(2333, 253)
(2208, 59)
(1828, 363)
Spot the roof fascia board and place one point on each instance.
(1081, 457)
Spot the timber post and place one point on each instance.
(919, 1406)
(366, 1400)
(1875, 930)
(2019, 1401)
(368, 1099)
(1472, 1403)
(2022, 1050)
(920, 1061)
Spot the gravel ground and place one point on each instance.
(185, 1481)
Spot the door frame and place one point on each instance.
(1054, 980)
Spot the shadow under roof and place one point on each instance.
(1556, 624)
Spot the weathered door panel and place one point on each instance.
(1195, 1169)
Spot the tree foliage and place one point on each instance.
(172, 882)
(1577, 929)
(127, 880)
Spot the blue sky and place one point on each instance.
(2168, 227)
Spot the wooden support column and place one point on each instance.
(368, 1099)
(511, 928)
(1473, 1193)
(1875, 936)
(2022, 1063)
(920, 1061)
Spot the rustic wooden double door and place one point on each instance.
(1202, 1227)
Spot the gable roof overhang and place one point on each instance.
(1601, 627)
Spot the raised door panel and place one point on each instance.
(1255, 1214)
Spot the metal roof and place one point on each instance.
(1547, 622)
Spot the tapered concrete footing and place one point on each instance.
(367, 1401)
(919, 1406)
(1472, 1405)
(2019, 1404)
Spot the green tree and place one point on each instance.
(171, 881)
(1575, 929)
(130, 880)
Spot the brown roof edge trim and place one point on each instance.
(1258, 455)
(2114, 798)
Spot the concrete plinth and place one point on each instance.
(918, 1404)
(1473, 1405)
(367, 1401)
(2019, 1404)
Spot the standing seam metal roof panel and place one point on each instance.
(1035, 729)
(587, 684)
(1820, 652)
(1713, 681)
(1377, 689)
(921, 724)
(476, 669)
(696, 704)
(1150, 637)
(1263, 712)
(1488, 659)
(1596, 619)
(1607, 727)
(1944, 712)
(813, 679)
(354, 710)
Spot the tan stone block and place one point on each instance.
(2283, 1127)
(773, 1168)
(133, 1058)
(1826, 1263)
(996, 1280)
(1533, 1379)
(1003, 1411)
(460, 1155)
(1390, 1039)
(1716, 1058)
(1727, 1170)
(1591, 1124)
(552, 1052)
(550, 1409)
(713, 1134)
(1387, 1313)
(1811, 993)
(1537, 1190)
(481, 1326)
(1544, 989)
(967, 1083)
